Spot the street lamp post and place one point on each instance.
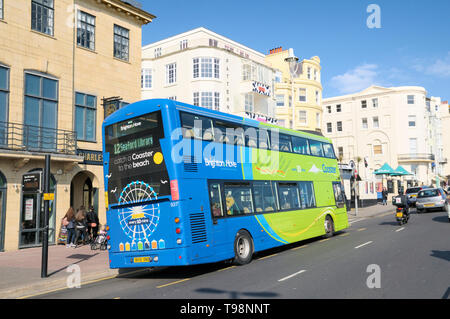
(293, 68)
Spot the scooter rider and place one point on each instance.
(402, 201)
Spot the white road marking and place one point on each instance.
(290, 276)
(400, 229)
(369, 242)
(355, 221)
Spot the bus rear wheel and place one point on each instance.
(243, 248)
(329, 226)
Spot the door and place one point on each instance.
(32, 218)
(2, 217)
(29, 220)
(219, 227)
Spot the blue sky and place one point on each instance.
(412, 47)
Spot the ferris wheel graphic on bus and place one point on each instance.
(138, 222)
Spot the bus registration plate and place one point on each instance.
(141, 259)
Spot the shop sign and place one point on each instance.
(32, 182)
(91, 157)
(261, 117)
(261, 88)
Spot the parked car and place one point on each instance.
(412, 194)
(432, 198)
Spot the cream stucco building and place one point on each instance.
(58, 61)
(206, 69)
(397, 126)
(445, 120)
(304, 92)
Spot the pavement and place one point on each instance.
(20, 271)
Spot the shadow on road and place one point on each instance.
(441, 219)
(443, 254)
(182, 272)
(393, 223)
(80, 257)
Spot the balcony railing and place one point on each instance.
(415, 157)
(20, 137)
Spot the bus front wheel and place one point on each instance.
(243, 248)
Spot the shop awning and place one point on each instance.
(400, 171)
(384, 170)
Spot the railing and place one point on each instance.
(20, 137)
(417, 156)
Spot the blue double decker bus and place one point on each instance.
(187, 185)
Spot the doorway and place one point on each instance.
(84, 191)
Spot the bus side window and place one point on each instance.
(285, 143)
(215, 200)
(307, 197)
(263, 138)
(264, 195)
(198, 127)
(328, 150)
(238, 198)
(289, 196)
(316, 148)
(300, 145)
(251, 137)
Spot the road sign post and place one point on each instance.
(44, 263)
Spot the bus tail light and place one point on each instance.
(179, 241)
(174, 190)
(177, 220)
(178, 231)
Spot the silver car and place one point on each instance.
(432, 198)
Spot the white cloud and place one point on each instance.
(357, 79)
(440, 68)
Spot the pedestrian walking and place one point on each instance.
(92, 223)
(80, 227)
(384, 193)
(69, 222)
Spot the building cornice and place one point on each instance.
(386, 91)
(208, 47)
(142, 16)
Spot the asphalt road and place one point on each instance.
(373, 259)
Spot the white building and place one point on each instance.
(203, 68)
(397, 125)
(445, 121)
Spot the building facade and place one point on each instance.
(59, 60)
(445, 122)
(397, 126)
(298, 98)
(203, 68)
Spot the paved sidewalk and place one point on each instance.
(371, 211)
(20, 271)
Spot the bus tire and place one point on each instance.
(243, 248)
(329, 226)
